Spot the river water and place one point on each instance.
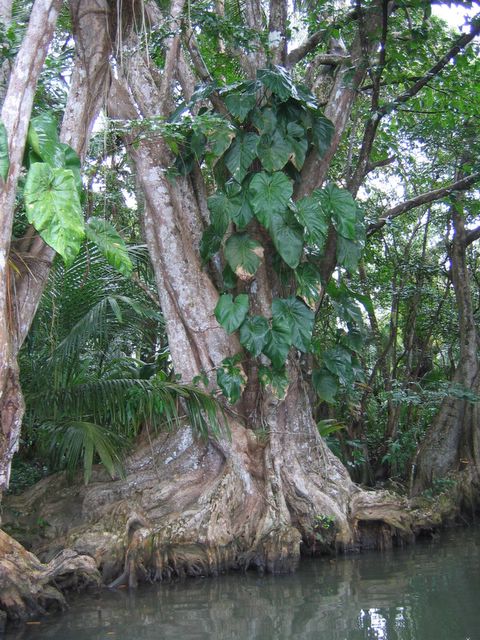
(429, 591)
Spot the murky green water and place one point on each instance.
(427, 592)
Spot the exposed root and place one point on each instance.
(189, 508)
(29, 588)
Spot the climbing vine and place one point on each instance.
(256, 153)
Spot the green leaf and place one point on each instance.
(243, 254)
(241, 155)
(229, 278)
(314, 218)
(43, 138)
(339, 362)
(220, 139)
(308, 283)
(240, 104)
(325, 385)
(53, 207)
(322, 132)
(274, 151)
(229, 313)
(4, 157)
(231, 379)
(276, 379)
(297, 138)
(254, 334)
(343, 209)
(219, 206)
(210, 243)
(111, 244)
(265, 120)
(278, 81)
(269, 194)
(299, 318)
(287, 236)
(239, 208)
(349, 253)
(279, 341)
(72, 161)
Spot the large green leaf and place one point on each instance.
(210, 243)
(299, 318)
(325, 384)
(287, 236)
(219, 206)
(240, 104)
(308, 283)
(231, 313)
(43, 139)
(231, 379)
(111, 244)
(279, 341)
(254, 334)
(265, 120)
(322, 132)
(241, 155)
(72, 161)
(278, 81)
(53, 207)
(239, 208)
(297, 139)
(243, 255)
(276, 379)
(314, 218)
(349, 253)
(342, 208)
(274, 151)
(4, 157)
(339, 362)
(269, 194)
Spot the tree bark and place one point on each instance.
(16, 111)
(26, 586)
(452, 446)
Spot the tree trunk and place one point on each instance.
(27, 587)
(452, 446)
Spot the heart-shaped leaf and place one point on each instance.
(269, 194)
(314, 218)
(274, 151)
(279, 341)
(43, 139)
(231, 379)
(243, 255)
(240, 104)
(287, 236)
(322, 132)
(254, 334)
(229, 313)
(53, 207)
(241, 155)
(342, 208)
(276, 379)
(299, 318)
(325, 384)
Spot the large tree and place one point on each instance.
(244, 234)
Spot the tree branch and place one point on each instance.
(472, 235)
(460, 44)
(423, 198)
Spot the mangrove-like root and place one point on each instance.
(29, 588)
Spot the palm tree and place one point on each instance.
(96, 367)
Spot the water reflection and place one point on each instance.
(427, 592)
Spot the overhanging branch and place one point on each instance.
(423, 198)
